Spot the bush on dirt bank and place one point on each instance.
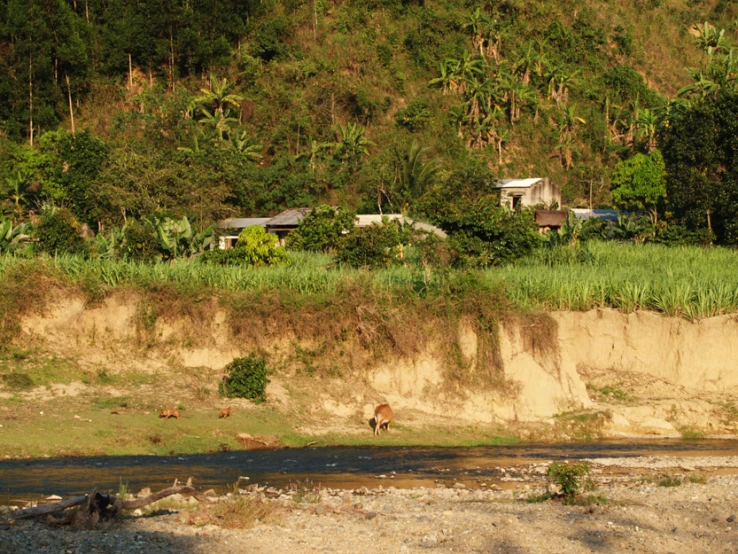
(58, 233)
(246, 378)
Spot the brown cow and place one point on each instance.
(225, 413)
(382, 417)
(174, 412)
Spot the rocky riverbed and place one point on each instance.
(653, 505)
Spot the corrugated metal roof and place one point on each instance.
(243, 222)
(428, 228)
(288, 218)
(517, 183)
(607, 215)
(365, 220)
(551, 218)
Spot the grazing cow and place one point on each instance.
(225, 413)
(382, 417)
(174, 412)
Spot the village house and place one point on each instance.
(526, 193)
(287, 221)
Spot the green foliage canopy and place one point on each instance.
(322, 229)
(701, 157)
(640, 183)
(58, 232)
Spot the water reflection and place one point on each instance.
(340, 467)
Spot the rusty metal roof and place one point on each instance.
(288, 218)
(551, 218)
(243, 222)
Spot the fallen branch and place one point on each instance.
(99, 506)
(47, 509)
(150, 499)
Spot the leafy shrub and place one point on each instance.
(678, 235)
(374, 246)
(415, 117)
(17, 381)
(58, 232)
(322, 229)
(140, 242)
(255, 247)
(568, 477)
(246, 378)
(12, 237)
(484, 234)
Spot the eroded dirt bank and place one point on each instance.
(562, 375)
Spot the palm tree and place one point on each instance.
(418, 174)
(703, 85)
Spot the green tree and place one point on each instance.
(375, 246)
(260, 247)
(640, 184)
(702, 166)
(58, 233)
(322, 229)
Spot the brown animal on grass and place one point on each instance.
(174, 412)
(382, 417)
(225, 413)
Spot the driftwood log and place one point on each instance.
(95, 507)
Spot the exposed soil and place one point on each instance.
(632, 511)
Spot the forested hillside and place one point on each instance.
(117, 109)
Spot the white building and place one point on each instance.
(528, 192)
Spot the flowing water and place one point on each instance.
(336, 467)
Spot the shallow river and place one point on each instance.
(337, 467)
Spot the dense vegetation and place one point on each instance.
(688, 281)
(121, 110)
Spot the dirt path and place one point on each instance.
(634, 512)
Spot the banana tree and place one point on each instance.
(247, 146)
(351, 143)
(217, 98)
(315, 149)
(11, 236)
(17, 192)
(107, 247)
(178, 240)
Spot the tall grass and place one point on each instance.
(304, 272)
(690, 282)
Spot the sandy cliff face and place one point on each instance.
(642, 372)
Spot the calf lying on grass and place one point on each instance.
(174, 412)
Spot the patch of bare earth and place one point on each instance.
(631, 514)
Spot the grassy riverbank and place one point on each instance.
(59, 407)
(150, 336)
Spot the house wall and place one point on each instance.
(542, 192)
